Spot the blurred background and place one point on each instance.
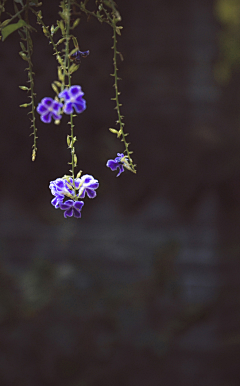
(144, 289)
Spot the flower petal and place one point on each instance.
(68, 213)
(121, 169)
(75, 91)
(80, 106)
(66, 205)
(91, 193)
(55, 202)
(78, 205)
(41, 108)
(46, 118)
(76, 213)
(68, 108)
(112, 164)
(56, 106)
(64, 94)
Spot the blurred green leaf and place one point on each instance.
(9, 29)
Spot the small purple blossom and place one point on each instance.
(76, 56)
(117, 163)
(61, 187)
(71, 208)
(49, 108)
(73, 99)
(87, 184)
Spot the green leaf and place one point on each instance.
(23, 56)
(73, 68)
(12, 27)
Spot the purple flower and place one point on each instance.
(49, 108)
(71, 208)
(56, 201)
(73, 99)
(118, 162)
(61, 187)
(87, 184)
(76, 56)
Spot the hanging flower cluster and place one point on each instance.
(67, 193)
(73, 99)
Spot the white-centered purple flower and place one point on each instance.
(61, 187)
(73, 99)
(48, 108)
(67, 192)
(87, 185)
(71, 208)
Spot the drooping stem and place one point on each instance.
(117, 93)
(31, 81)
(67, 65)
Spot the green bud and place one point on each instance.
(23, 56)
(114, 131)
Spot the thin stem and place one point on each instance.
(66, 64)
(117, 93)
(16, 15)
(31, 81)
(49, 36)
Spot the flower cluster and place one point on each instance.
(49, 108)
(73, 190)
(119, 162)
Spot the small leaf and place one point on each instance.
(75, 24)
(73, 51)
(23, 56)
(57, 83)
(61, 25)
(25, 105)
(33, 154)
(24, 88)
(23, 47)
(54, 87)
(79, 174)
(5, 22)
(75, 160)
(12, 27)
(118, 30)
(73, 68)
(60, 74)
(59, 59)
(114, 131)
(75, 42)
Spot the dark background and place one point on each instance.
(144, 288)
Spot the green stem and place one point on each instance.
(117, 93)
(66, 64)
(31, 81)
(16, 15)
(49, 36)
